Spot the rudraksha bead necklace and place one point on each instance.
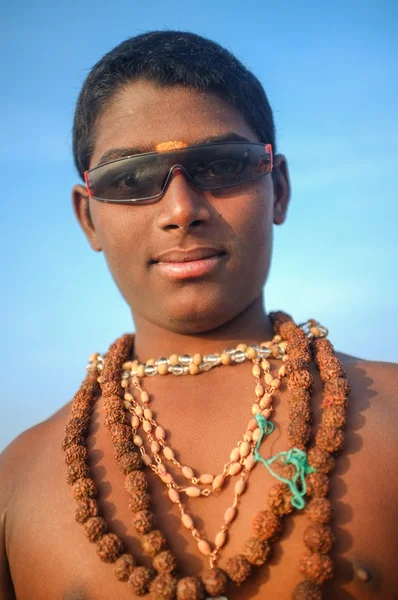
(316, 565)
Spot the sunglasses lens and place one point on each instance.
(127, 179)
(230, 165)
(210, 167)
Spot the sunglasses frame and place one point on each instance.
(267, 147)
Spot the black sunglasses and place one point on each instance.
(209, 167)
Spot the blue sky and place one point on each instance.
(330, 71)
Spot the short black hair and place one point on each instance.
(169, 58)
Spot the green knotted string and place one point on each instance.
(294, 456)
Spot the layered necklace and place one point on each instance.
(140, 443)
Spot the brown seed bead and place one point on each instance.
(335, 416)
(295, 364)
(115, 418)
(316, 567)
(287, 330)
(85, 510)
(300, 379)
(123, 447)
(165, 562)
(267, 526)
(95, 528)
(139, 501)
(84, 488)
(306, 590)
(322, 347)
(215, 581)
(124, 567)
(330, 368)
(238, 569)
(298, 349)
(140, 580)
(190, 588)
(279, 497)
(328, 401)
(75, 453)
(300, 395)
(318, 538)
(321, 460)
(299, 433)
(109, 548)
(164, 587)
(72, 440)
(317, 484)
(330, 439)
(77, 426)
(144, 521)
(319, 510)
(120, 432)
(300, 410)
(130, 462)
(77, 470)
(256, 551)
(153, 543)
(136, 481)
(338, 387)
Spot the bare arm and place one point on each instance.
(10, 460)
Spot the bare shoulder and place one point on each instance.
(26, 451)
(27, 455)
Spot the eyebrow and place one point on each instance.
(115, 153)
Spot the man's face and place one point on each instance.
(233, 225)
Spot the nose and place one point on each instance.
(183, 205)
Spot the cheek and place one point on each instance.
(120, 233)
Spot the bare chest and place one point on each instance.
(50, 555)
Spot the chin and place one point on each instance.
(198, 314)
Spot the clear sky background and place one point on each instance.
(330, 71)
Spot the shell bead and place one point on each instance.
(187, 472)
(204, 547)
(160, 433)
(255, 409)
(148, 413)
(206, 478)
(235, 454)
(147, 426)
(174, 495)
(218, 482)
(220, 539)
(249, 462)
(155, 447)
(144, 397)
(192, 492)
(234, 468)
(240, 487)
(168, 452)
(137, 440)
(230, 514)
(135, 421)
(187, 521)
(244, 449)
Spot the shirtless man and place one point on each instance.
(212, 301)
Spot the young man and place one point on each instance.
(175, 138)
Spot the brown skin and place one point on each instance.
(44, 549)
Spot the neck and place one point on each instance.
(251, 326)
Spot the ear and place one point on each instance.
(281, 181)
(81, 206)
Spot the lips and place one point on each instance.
(179, 255)
(181, 263)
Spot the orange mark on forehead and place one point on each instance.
(165, 146)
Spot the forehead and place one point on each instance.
(144, 115)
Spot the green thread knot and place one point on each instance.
(294, 456)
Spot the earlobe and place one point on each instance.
(81, 206)
(281, 189)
